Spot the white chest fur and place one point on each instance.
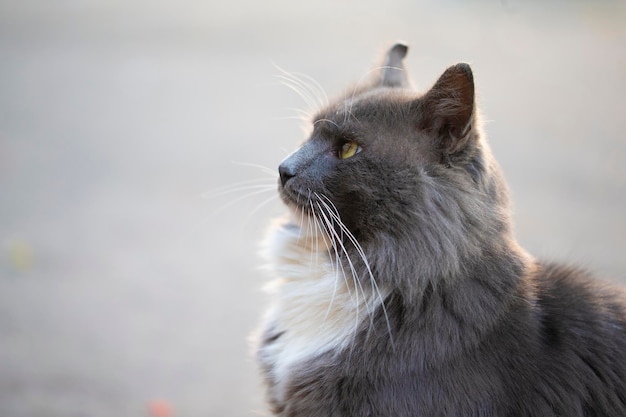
(317, 306)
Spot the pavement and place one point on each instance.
(134, 136)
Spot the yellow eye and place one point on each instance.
(348, 150)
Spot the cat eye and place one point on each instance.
(348, 150)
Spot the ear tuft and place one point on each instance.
(393, 73)
(448, 108)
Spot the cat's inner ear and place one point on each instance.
(447, 109)
(393, 73)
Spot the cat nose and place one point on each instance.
(286, 173)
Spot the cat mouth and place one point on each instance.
(296, 200)
(311, 212)
(308, 202)
(312, 204)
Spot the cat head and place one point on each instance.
(398, 170)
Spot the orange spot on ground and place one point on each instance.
(160, 408)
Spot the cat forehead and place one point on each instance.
(373, 106)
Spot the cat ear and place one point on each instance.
(393, 73)
(448, 108)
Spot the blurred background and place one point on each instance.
(133, 136)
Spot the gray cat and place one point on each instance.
(400, 289)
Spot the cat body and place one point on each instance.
(399, 288)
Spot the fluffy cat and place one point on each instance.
(400, 289)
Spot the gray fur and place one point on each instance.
(472, 325)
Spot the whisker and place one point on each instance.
(356, 88)
(302, 214)
(334, 265)
(311, 232)
(356, 282)
(222, 191)
(302, 115)
(272, 172)
(316, 87)
(308, 93)
(301, 220)
(304, 85)
(325, 120)
(317, 235)
(343, 248)
(310, 102)
(334, 212)
(243, 197)
(329, 228)
(336, 279)
(259, 207)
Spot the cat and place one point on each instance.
(399, 287)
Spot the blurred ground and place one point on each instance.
(128, 276)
